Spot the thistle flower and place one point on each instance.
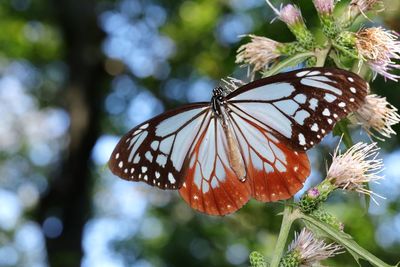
(377, 114)
(290, 14)
(324, 7)
(306, 250)
(379, 47)
(356, 167)
(259, 52)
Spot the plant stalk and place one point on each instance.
(287, 220)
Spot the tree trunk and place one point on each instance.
(69, 194)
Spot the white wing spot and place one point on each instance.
(330, 121)
(352, 99)
(126, 170)
(166, 144)
(161, 160)
(300, 98)
(315, 72)
(296, 168)
(313, 103)
(136, 159)
(318, 136)
(322, 131)
(342, 104)
(312, 143)
(302, 140)
(145, 177)
(330, 98)
(171, 178)
(157, 175)
(353, 90)
(117, 156)
(314, 127)
(120, 164)
(320, 85)
(154, 145)
(148, 156)
(144, 169)
(132, 170)
(302, 73)
(144, 126)
(350, 79)
(328, 73)
(326, 112)
(335, 115)
(300, 116)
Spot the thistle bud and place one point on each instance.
(328, 218)
(257, 260)
(325, 12)
(345, 43)
(291, 15)
(315, 196)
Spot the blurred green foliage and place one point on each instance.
(187, 238)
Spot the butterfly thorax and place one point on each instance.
(220, 110)
(217, 101)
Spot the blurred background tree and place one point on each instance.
(76, 75)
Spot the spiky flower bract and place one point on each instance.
(306, 250)
(379, 48)
(260, 52)
(377, 116)
(357, 166)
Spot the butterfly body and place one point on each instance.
(247, 143)
(220, 110)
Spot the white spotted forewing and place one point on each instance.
(248, 143)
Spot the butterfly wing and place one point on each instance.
(276, 119)
(156, 151)
(274, 171)
(300, 107)
(211, 185)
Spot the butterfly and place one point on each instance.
(249, 143)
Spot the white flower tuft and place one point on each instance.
(312, 250)
(356, 167)
(377, 116)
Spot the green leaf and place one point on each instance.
(346, 241)
(288, 62)
(342, 129)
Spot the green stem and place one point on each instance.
(321, 55)
(287, 220)
(345, 240)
